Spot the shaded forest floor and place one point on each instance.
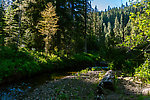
(128, 89)
(83, 86)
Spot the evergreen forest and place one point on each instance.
(47, 36)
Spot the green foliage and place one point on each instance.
(111, 65)
(47, 26)
(116, 82)
(141, 25)
(143, 71)
(26, 19)
(83, 59)
(84, 71)
(2, 24)
(116, 31)
(19, 62)
(11, 28)
(25, 62)
(141, 97)
(138, 38)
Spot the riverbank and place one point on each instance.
(79, 86)
(25, 63)
(128, 88)
(82, 85)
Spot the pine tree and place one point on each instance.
(127, 29)
(96, 22)
(105, 28)
(109, 29)
(117, 30)
(2, 36)
(105, 33)
(101, 21)
(47, 26)
(85, 31)
(101, 30)
(31, 14)
(122, 26)
(27, 13)
(90, 21)
(11, 27)
(108, 34)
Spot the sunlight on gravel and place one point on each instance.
(81, 85)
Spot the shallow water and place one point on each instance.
(20, 88)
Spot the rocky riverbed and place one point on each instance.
(127, 88)
(79, 86)
(83, 86)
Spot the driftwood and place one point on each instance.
(106, 83)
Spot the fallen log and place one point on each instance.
(106, 83)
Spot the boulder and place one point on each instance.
(146, 91)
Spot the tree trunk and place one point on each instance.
(85, 35)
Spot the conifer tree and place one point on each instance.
(108, 34)
(26, 15)
(90, 21)
(85, 21)
(2, 24)
(47, 26)
(109, 29)
(101, 31)
(96, 22)
(105, 33)
(105, 28)
(122, 27)
(127, 29)
(30, 16)
(11, 27)
(116, 30)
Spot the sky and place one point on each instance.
(103, 4)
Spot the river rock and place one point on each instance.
(146, 91)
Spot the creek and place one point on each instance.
(20, 88)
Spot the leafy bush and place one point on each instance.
(21, 62)
(143, 71)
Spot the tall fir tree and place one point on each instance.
(2, 34)
(11, 28)
(122, 27)
(108, 34)
(116, 30)
(47, 26)
(105, 33)
(127, 29)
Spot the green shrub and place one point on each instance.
(143, 71)
(27, 62)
